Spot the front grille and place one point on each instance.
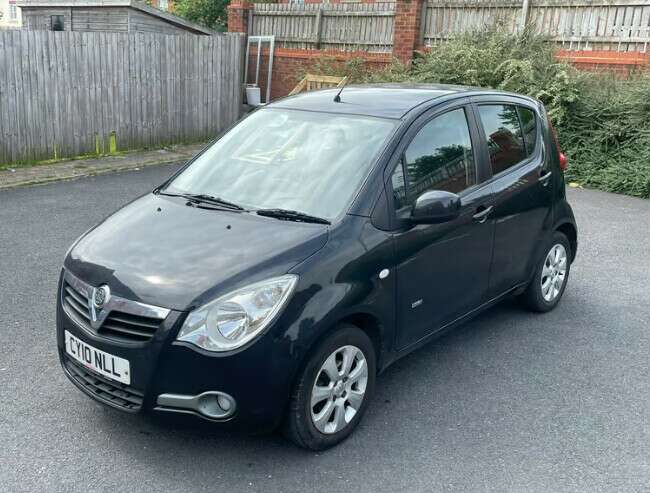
(104, 389)
(77, 302)
(117, 325)
(127, 326)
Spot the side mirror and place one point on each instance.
(435, 206)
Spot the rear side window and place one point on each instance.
(529, 125)
(504, 136)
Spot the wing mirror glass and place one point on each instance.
(435, 206)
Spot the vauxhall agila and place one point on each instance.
(270, 280)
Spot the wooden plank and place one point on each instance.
(5, 138)
(64, 91)
(107, 89)
(20, 93)
(29, 131)
(94, 59)
(7, 100)
(54, 108)
(218, 71)
(153, 49)
(101, 91)
(131, 74)
(118, 88)
(86, 127)
(45, 85)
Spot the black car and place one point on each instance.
(323, 237)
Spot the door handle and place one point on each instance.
(482, 214)
(544, 179)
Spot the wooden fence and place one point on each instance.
(620, 25)
(65, 94)
(343, 26)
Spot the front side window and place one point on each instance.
(440, 157)
(504, 136)
(57, 23)
(310, 162)
(399, 187)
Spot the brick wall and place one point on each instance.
(290, 65)
(622, 63)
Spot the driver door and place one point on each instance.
(442, 269)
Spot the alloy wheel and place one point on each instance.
(339, 389)
(554, 272)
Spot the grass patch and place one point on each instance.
(90, 157)
(47, 162)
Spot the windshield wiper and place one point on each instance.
(198, 198)
(290, 215)
(209, 199)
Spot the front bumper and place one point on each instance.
(258, 378)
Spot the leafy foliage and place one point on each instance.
(208, 13)
(603, 122)
(523, 63)
(608, 135)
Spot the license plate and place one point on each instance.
(105, 364)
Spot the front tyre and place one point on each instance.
(551, 276)
(333, 390)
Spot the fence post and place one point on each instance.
(525, 9)
(406, 30)
(317, 28)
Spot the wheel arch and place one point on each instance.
(365, 321)
(570, 231)
(372, 327)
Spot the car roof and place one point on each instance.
(378, 100)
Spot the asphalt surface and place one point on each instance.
(509, 402)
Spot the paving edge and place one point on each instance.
(91, 172)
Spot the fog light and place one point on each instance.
(213, 404)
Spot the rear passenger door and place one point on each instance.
(521, 182)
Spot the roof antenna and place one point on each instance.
(337, 98)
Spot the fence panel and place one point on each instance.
(344, 26)
(621, 25)
(443, 19)
(66, 94)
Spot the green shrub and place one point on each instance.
(603, 122)
(607, 136)
(523, 63)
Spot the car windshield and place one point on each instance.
(289, 159)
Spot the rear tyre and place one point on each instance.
(332, 391)
(551, 276)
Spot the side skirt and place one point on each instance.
(518, 289)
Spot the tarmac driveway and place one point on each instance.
(509, 402)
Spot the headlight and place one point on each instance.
(237, 317)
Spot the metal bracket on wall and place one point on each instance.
(259, 40)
